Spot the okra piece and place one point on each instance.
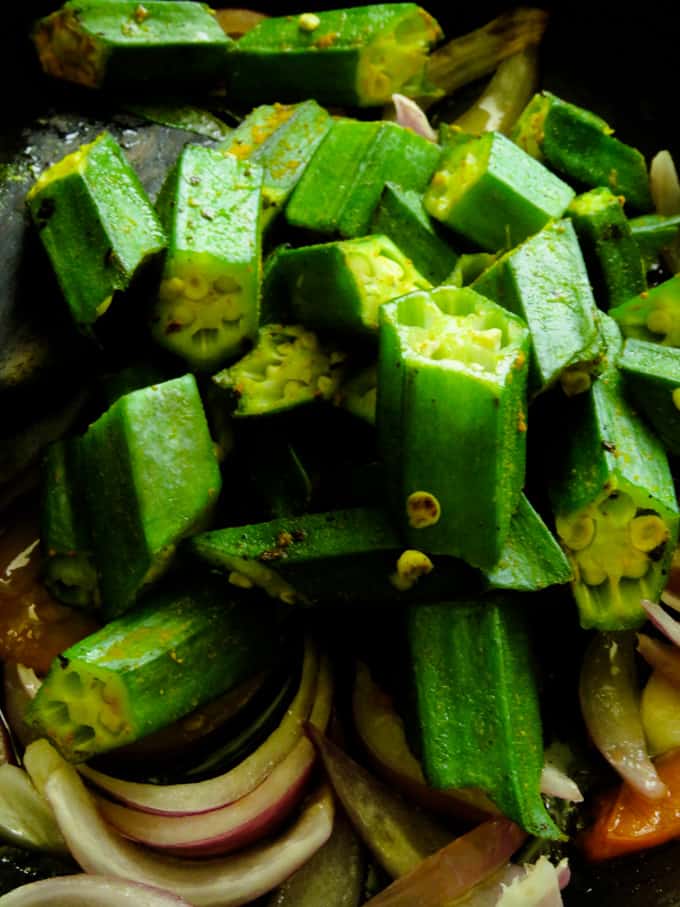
(653, 233)
(611, 252)
(288, 367)
(274, 302)
(358, 394)
(545, 282)
(208, 304)
(355, 57)
(97, 225)
(468, 268)
(342, 285)
(402, 217)
(654, 315)
(99, 44)
(342, 184)
(70, 571)
(652, 375)
(580, 145)
(451, 420)
(186, 645)
(615, 508)
(282, 140)
(475, 691)
(493, 193)
(151, 478)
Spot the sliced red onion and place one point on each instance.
(539, 887)
(609, 702)
(563, 873)
(409, 115)
(214, 793)
(662, 621)
(88, 890)
(221, 882)
(659, 655)
(556, 783)
(665, 188)
(671, 599)
(25, 819)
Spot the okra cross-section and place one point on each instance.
(342, 285)
(652, 374)
(451, 419)
(151, 478)
(356, 57)
(124, 41)
(287, 367)
(615, 507)
(97, 225)
(493, 193)
(653, 315)
(207, 309)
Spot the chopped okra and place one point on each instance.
(652, 375)
(653, 315)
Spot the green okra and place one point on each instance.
(186, 645)
(580, 145)
(98, 44)
(353, 57)
(97, 225)
(468, 268)
(274, 302)
(545, 282)
(611, 252)
(70, 571)
(652, 374)
(151, 478)
(451, 419)
(402, 217)
(208, 304)
(357, 395)
(281, 139)
(341, 285)
(494, 194)
(653, 233)
(654, 315)
(475, 691)
(341, 187)
(288, 367)
(615, 508)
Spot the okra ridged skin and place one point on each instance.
(98, 44)
(653, 233)
(492, 193)
(151, 477)
(580, 145)
(545, 282)
(615, 507)
(354, 57)
(184, 646)
(654, 315)
(97, 225)
(451, 420)
(612, 254)
(282, 140)
(475, 691)
(652, 375)
(207, 310)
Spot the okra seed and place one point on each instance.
(619, 509)
(577, 533)
(226, 284)
(172, 287)
(648, 532)
(592, 574)
(196, 287)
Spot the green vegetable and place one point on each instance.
(494, 194)
(98, 44)
(96, 224)
(208, 304)
(653, 233)
(356, 57)
(357, 395)
(451, 420)
(188, 644)
(652, 374)
(476, 704)
(580, 145)
(654, 315)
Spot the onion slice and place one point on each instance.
(222, 882)
(662, 621)
(88, 890)
(539, 887)
(663, 658)
(214, 793)
(556, 783)
(409, 115)
(665, 188)
(20, 687)
(609, 702)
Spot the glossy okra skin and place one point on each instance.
(208, 303)
(475, 692)
(122, 41)
(545, 282)
(654, 315)
(341, 186)
(653, 233)
(97, 225)
(580, 145)
(612, 254)
(187, 644)
(494, 194)
(652, 374)
(151, 478)
(451, 420)
(354, 57)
